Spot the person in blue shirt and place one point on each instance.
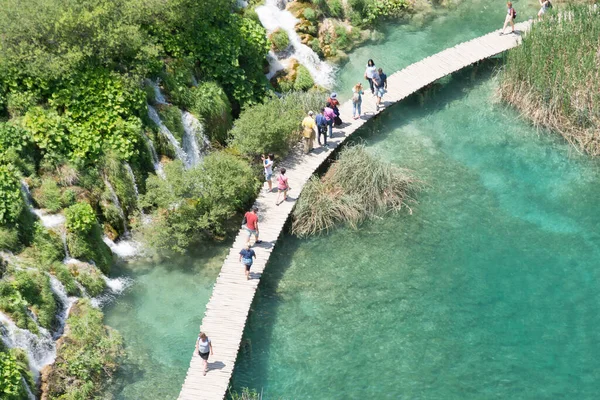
(380, 82)
(322, 128)
(246, 258)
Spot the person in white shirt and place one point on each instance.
(268, 166)
(204, 348)
(370, 73)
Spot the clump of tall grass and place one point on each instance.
(358, 185)
(553, 78)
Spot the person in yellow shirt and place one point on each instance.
(308, 132)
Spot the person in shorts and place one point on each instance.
(246, 258)
(204, 349)
(282, 186)
(380, 82)
(251, 225)
(268, 166)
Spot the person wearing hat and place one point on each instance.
(308, 132)
(246, 258)
(333, 101)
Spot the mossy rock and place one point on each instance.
(89, 246)
(171, 117)
(279, 39)
(304, 80)
(89, 277)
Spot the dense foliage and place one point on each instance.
(274, 125)
(554, 76)
(86, 356)
(357, 186)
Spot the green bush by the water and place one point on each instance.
(553, 78)
(279, 39)
(273, 127)
(86, 355)
(12, 373)
(357, 186)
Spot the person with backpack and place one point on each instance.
(511, 14)
(357, 92)
(246, 258)
(545, 6)
(380, 82)
(250, 224)
(282, 186)
(330, 117)
(334, 106)
(204, 349)
(308, 132)
(321, 128)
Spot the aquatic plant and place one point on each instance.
(553, 78)
(357, 186)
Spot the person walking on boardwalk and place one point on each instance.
(370, 73)
(357, 92)
(380, 82)
(282, 186)
(268, 166)
(330, 116)
(336, 110)
(308, 132)
(511, 14)
(246, 256)
(250, 224)
(322, 128)
(545, 6)
(204, 349)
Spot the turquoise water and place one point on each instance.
(159, 316)
(489, 290)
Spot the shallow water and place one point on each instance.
(159, 316)
(489, 290)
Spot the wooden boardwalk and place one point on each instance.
(228, 308)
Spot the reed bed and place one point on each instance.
(554, 77)
(357, 186)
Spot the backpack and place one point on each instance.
(549, 5)
(355, 97)
(514, 13)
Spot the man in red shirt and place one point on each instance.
(251, 225)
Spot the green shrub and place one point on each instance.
(171, 117)
(80, 217)
(336, 8)
(89, 246)
(48, 195)
(279, 39)
(211, 105)
(47, 246)
(87, 357)
(11, 198)
(316, 47)
(273, 127)
(9, 239)
(68, 198)
(310, 14)
(63, 274)
(11, 385)
(90, 278)
(304, 80)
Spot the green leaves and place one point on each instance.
(80, 217)
(11, 387)
(11, 199)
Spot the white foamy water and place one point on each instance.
(194, 132)
(40, 349)
(49, 220)
(66, 303)
(153, 114)
(124, 248)
(117, 203)
(158, 96)
(158, 168)
(271, 17)
(115, 286)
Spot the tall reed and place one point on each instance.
(357, 186)
(553, 78)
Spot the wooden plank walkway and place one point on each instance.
(228, 308)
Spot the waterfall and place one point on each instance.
(158, 96)
(157, 165)
(123, 248)
(271, 17)
(117, 203)
(116, 286)
(274, 64)
(167, 133)
(132, 177)
(66, 303)
(193, 130)
(48, 220)
(30, 395)
(40, 349)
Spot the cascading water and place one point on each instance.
(159, 98)
(123, 248)
(158, 168)
(116, 286)
(117, 203)
(48, 220)
(272, 17)
(193, 131)
(132, 177)
(153, 114)
(66, 303)
(40, 349)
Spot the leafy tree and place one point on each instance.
(11, 386)
(11, 198)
